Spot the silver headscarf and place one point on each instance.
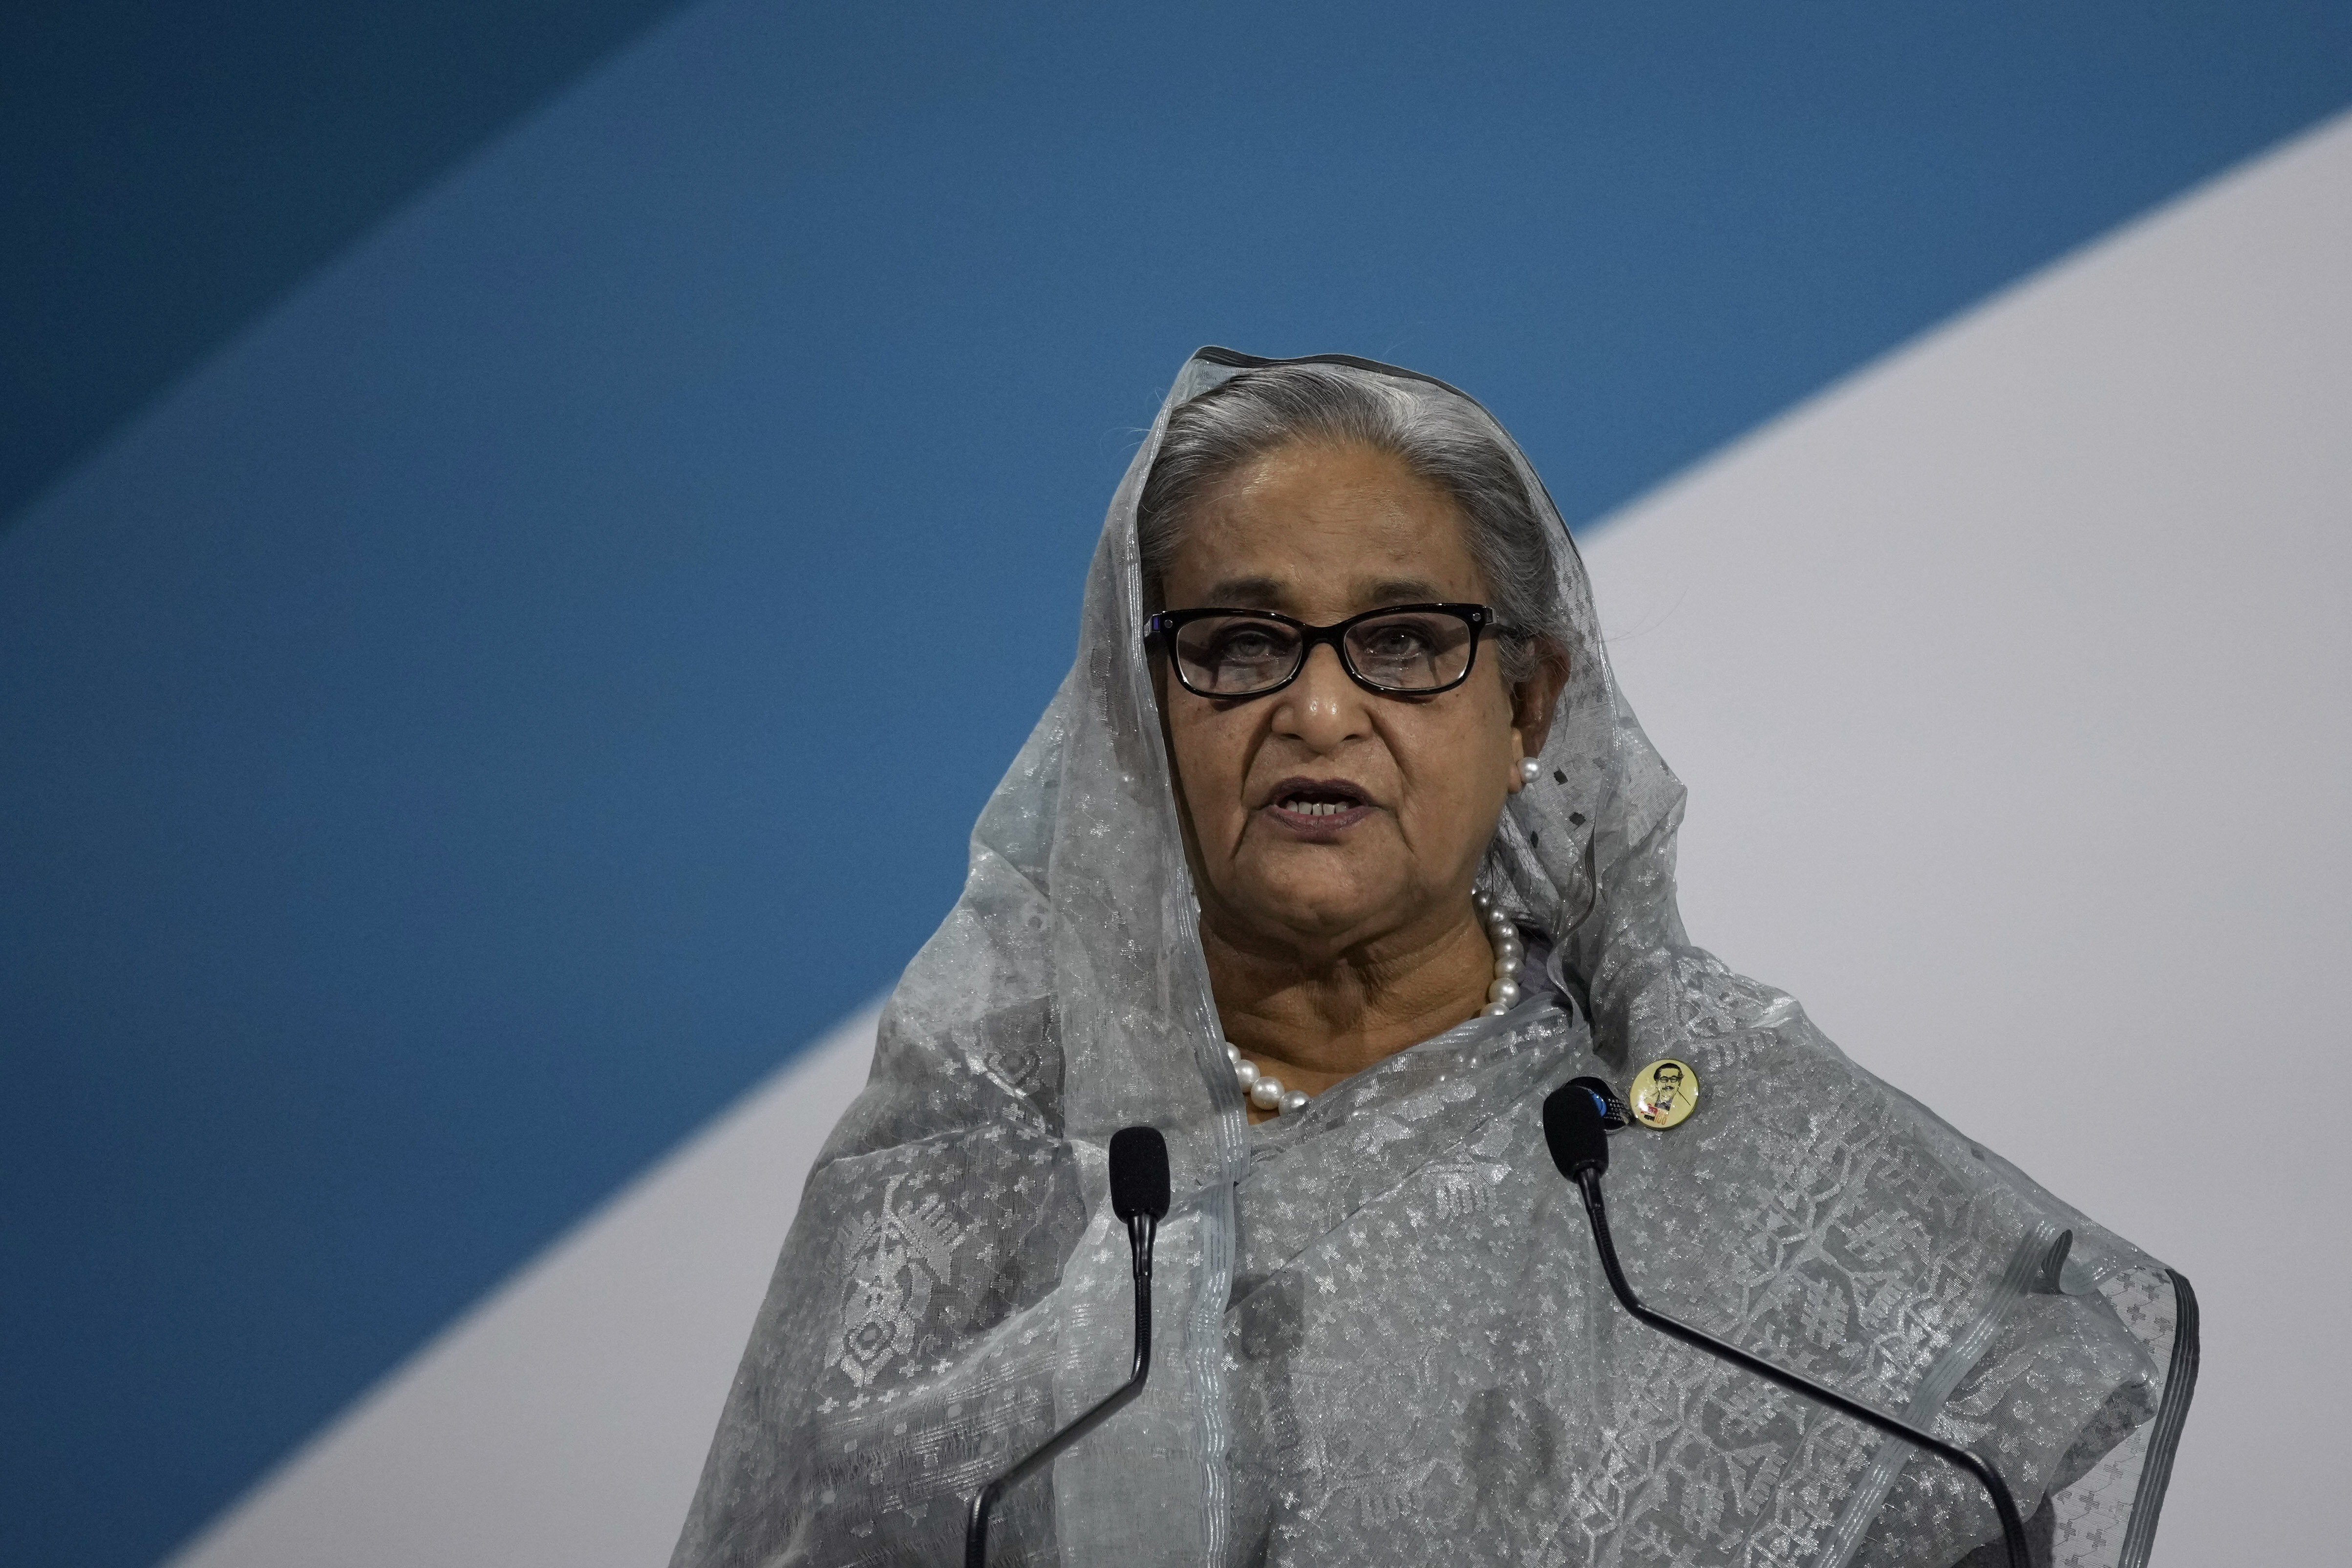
(1383, 1338)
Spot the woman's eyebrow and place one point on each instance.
(1260, 593)
(1400, 591)
(1247, 594)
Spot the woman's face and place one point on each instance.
(1321, 531)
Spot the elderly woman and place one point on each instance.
(1337, 850)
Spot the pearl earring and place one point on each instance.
(1530, 770)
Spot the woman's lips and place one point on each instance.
(1320, 809)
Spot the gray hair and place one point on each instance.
(1439, 436)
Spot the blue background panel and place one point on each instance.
(521, 688)
(171, 168)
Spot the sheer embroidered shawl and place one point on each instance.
(1381, 1334)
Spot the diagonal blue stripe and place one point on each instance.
(169, 170)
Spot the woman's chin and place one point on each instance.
(1318, 919)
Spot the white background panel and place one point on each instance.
(562, 1422)
(2006, 679)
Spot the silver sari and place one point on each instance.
(1383, 1338)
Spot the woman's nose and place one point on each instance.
(1323, 708)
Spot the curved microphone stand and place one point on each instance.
(1580, 1147)
(1138, 1194)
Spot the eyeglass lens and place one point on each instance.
(1411, 650)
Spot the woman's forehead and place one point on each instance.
(1310, 572)
(1319, 526)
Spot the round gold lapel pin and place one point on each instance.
(1663, 1093)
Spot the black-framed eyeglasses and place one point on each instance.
(1397, 650)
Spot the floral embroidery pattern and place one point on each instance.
(892, 1260)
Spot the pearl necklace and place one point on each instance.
(1265, 1091)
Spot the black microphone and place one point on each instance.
(1138, 1195)
(1575, 1120)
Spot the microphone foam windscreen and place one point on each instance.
(1572, 1128)
(1138, 1173)
(1614, 1112)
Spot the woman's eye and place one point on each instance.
(1245, 647)
(1398, 642)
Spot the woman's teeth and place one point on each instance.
(1317, 808)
